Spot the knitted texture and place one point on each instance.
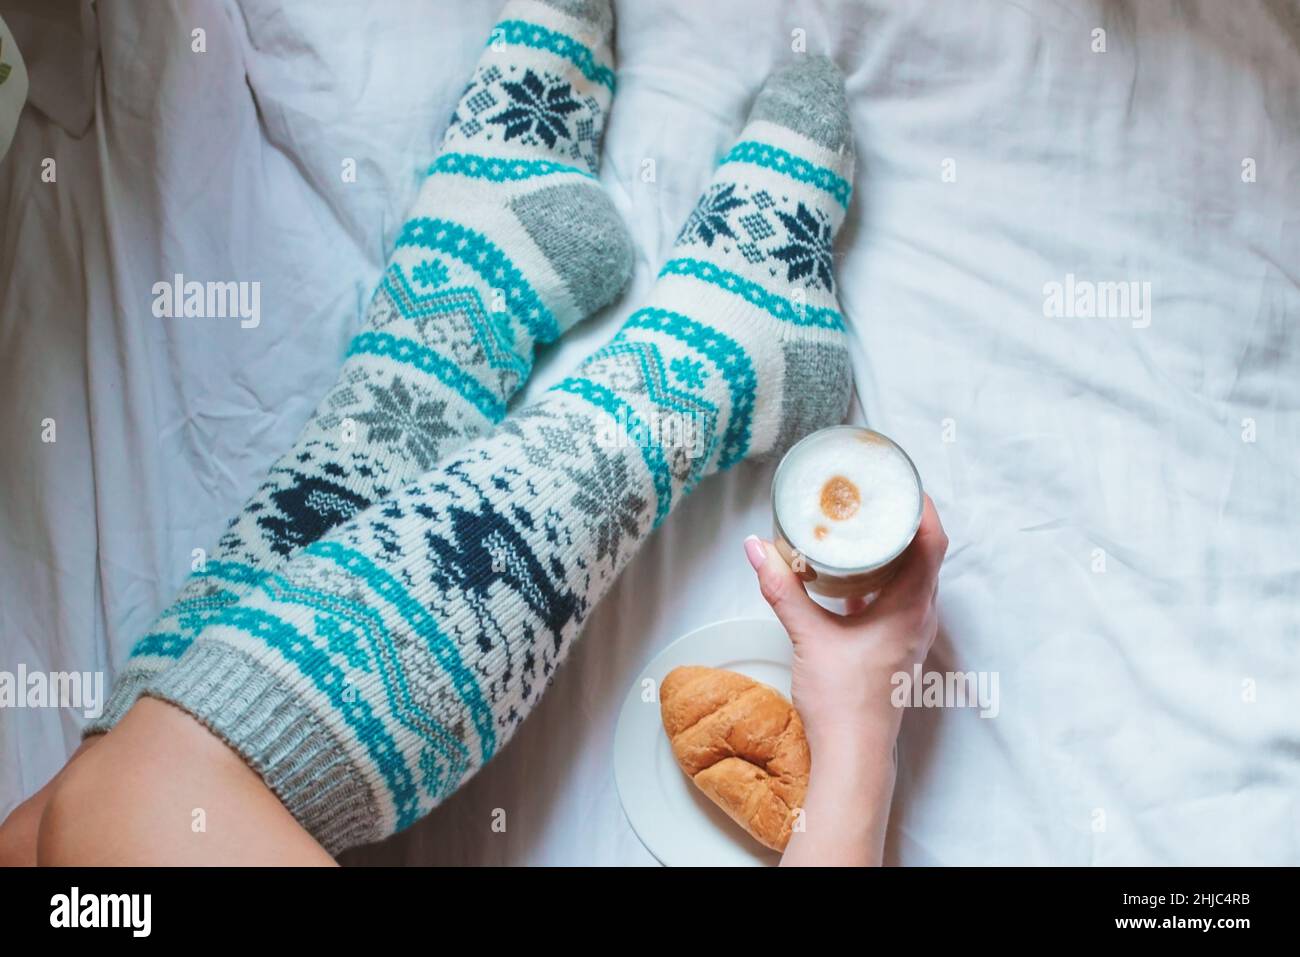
(371, 675)
(510, 242)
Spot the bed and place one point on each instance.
(1072, 269)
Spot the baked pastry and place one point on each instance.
(743, 745)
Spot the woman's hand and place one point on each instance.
(843, 671)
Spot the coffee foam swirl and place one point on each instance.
(847, 498)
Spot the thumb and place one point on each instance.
(783, 590)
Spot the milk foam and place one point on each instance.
(814, 478)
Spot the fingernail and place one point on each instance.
(755, 551)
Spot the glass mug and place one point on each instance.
(827, 580)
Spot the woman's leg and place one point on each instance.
(162, 790)
(381, 667)
(511, 242)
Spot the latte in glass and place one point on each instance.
(846, 503)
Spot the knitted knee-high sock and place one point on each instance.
(510, 242)
(380, 667)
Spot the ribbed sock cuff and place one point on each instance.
(281, 739)
(126, 688)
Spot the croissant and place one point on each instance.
(743, 745)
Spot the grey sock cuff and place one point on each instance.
(262, 719)
(126, 688)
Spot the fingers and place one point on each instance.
(783, 590)
(914, 586)
(918, 577)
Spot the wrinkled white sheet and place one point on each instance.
(1148, 712)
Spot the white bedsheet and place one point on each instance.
(1148, 712)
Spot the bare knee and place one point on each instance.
(55, 828)
(18, 834)
(71, 827)
(19, 831)
(162, 789)
(119, 804)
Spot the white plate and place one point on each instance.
(674, 820)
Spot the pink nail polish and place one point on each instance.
(755, 551)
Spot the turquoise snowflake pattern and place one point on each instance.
(689, 372)
(431, 273)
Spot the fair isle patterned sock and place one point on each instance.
(367, 678)
(510, 243)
